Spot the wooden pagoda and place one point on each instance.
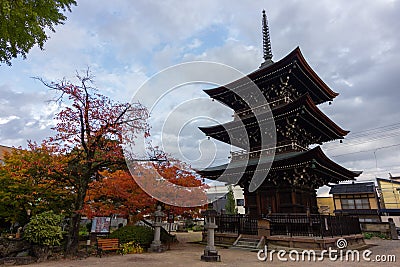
(293, 91)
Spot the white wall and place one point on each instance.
(396, 219)
(221, 189)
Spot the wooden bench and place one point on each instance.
(105, 244)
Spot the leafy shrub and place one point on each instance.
(131, 248)
(142, 235)
(45, 229)
(369, 235)
(83, 231)
(198, 228)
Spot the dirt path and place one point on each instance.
(188, 254)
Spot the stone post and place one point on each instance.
(393, 231)
(210, 253)
(264, 228)
(156, 245)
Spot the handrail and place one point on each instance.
(293, 146)
(275, 103)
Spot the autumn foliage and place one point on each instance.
(31, 182)
(119, 192)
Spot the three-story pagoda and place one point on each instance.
(292, 90)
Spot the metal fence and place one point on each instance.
(236, 223)
(314, 225)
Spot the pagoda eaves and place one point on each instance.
(323, 171)
(313, 126)
(292, 69)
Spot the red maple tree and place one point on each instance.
(90, 128)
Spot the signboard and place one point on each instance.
(101, 225)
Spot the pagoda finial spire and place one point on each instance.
(266, 42)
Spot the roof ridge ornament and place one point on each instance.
(267, 51)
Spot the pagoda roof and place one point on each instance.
(294, 65)
(303, 108)
(316, 158)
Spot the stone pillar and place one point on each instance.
(393, 230)
(210, 253)
(264, 228)
(156, 245)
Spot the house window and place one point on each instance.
(240, 202)
(324, 209)
(362, 203)
(368, 220)
(348, 204)
(352, 204)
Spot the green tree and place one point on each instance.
(29, 183)
(23, 24)
(230, 206)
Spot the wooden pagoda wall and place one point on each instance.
(280, 199)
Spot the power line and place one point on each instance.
(366, 136)
(365, 150)
(387, 130)
(355, 143)
(376, 128)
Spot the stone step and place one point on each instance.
(246, 243)
(245, 246)
(249, 239)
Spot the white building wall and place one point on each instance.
(221, 190)
(396, 219)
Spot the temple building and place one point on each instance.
(294, 164)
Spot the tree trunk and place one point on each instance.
(73, 235)
(41, 252)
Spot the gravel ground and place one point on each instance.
(188, 254)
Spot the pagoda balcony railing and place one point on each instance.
(281, 148)
(260, 109)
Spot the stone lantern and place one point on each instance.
(210, 253)
(156, 245)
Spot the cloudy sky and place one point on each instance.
(352, 45)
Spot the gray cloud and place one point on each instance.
(24, 116)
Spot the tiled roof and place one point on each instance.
(354, 188)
